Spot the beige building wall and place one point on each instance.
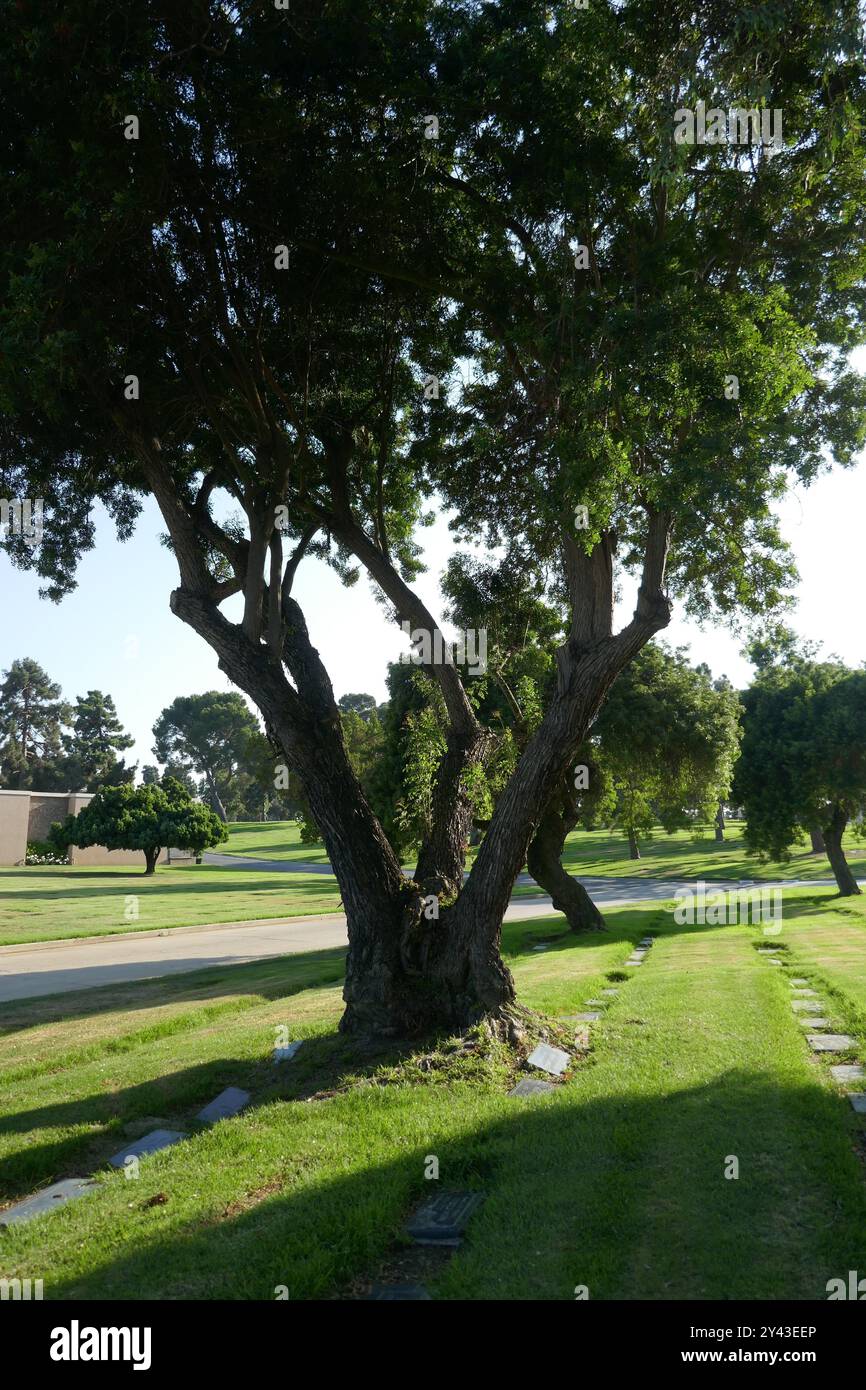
(14, 813)
(29, 816)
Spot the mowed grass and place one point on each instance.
(271, 840)
(48, 903)
(51, 902)
(598, 853)
(616, 1180)
(823, 939)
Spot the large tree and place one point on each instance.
(238, 269)
(669, 737)
(147, 818)
(803, 759)
(96, 737)
(209, 733)
(32, 715)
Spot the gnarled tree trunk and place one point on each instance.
(150, 858)
(544, 861)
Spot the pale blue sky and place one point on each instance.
(116, 632)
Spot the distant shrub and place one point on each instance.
(43, 852)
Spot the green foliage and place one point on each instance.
(91, 749)
(32, 714)
(147, 818)
(803, 758)
(667, 738)
(212, 734)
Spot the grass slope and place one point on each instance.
(52, 902)
(615, 1180)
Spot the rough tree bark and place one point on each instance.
(720, 824)
(412, 965)
(833, 832)
(150, 858)
(544, 861)
(633, 847)
(817, 839)
(587, 665)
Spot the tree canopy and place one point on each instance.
(487, 273)
(148, 818)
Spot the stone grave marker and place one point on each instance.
(858, 1101)
(50, 1197)
(150, 1144)
(285, 1054)
(229, 1102)
(830, 1042)
(813, 1021)
(587, 1018)
(442, 1219)
(528, 1086)
(549, 1059)
(845, 1072)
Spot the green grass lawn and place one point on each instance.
(596, 853)
(51, 902)
(271, 840)
(615, 1180)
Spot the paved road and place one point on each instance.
(55, 967)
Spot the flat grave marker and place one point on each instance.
(149, 1144)
(549, 1059)
(50, 1197)
(844, 1072)
(858, 1101)
(229, 1102)
(813, 1021)
(442, 1219)
(529, 1086)
(830, 1042)
(285, 1054)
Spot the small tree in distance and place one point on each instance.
(147, 818)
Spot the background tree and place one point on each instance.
(148, 818)
(32, 714)
(360, 704)
(96, 738)
(209, 734)
(803, 759)
(669, 737)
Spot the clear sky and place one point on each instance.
(116, 633)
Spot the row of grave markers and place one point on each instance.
(806, 1001)
(442, 1220)
(227, 1104)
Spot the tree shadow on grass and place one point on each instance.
(271, 978)
(172, 1101)
(623, 1193)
